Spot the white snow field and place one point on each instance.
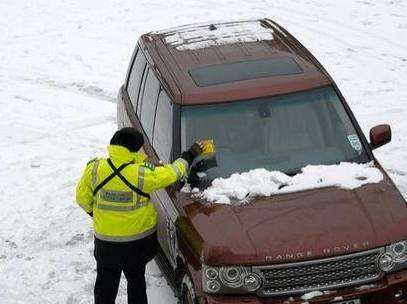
(61, 65)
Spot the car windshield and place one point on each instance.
(283, 133)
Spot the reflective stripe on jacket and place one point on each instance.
(120, 214)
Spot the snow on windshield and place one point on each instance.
(260, 182)
(224, 33)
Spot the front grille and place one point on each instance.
(323, 274)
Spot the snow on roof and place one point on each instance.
(260, 182)
(198, 37)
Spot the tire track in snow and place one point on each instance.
(340, 42)
(80, 125)
(81, 87)
(342, 26)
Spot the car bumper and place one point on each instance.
(381, 292)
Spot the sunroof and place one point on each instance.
(244, 70)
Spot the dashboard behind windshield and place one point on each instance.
(283, 133)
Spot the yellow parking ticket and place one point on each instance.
(208, 147)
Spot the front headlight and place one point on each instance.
(230, 280)
(394, 258)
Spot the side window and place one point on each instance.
(136, 75)
(162, 142)
(141, 92)
(150, 95)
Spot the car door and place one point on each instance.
(155, 102)
(162, 143)
(153, 110)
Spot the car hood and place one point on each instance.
(298, 226)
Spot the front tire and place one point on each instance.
(187, 294)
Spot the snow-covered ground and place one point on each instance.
(61, 64)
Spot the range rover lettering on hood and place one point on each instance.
(337, 250)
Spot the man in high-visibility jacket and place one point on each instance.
(115, 191)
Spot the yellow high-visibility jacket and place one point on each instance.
(120, 214)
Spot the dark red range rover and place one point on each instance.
(267, 103)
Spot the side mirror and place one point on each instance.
(379, 136)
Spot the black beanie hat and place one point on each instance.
(129, 138)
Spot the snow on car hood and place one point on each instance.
(296, 226)
(260, 182)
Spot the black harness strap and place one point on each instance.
(107, 179)
(116, 172)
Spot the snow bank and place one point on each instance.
(311, 295)
(316, 293)
(187, 38)
(365, 287)
(260, 182)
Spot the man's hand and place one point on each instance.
(194, 151)
(197, 148)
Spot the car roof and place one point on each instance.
(184, 58)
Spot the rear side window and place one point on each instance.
(162, 142)
(141, 92)
(150, 95)
(244, 70)
(136, 75)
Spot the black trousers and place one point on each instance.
(130, 257)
